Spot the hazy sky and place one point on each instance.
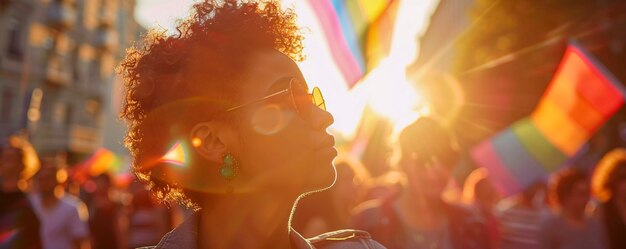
(154, 13)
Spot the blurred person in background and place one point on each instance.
(312, 219)
(571, 227)
(609, 186)
(104, 214)
(148, 220)
(385, 187)
(520, 217)
(221, 119)
(19, 226)
(480, 193)
(419, 217)
(63, 217)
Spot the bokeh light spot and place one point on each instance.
(196, 142)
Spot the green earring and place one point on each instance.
(229, 168)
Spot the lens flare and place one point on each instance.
(175, 155)
(270, 119)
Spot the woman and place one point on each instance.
(609, 186)
(571, 228)
(419, 217)
(220, 119)
(18, 163)
(104, 214)
(480, 193)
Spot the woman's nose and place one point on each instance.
(321, 119)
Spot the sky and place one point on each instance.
(385, 88)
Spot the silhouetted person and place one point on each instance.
(419, 217)
(480, 193)
(63, 217)
(520, 217)
(104, 214)
(609, 186)
(19, 226)
(148, 220)
(571, 227)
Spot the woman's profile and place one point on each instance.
(221, 120)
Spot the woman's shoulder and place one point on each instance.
(345, 239)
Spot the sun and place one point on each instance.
(390, 94)
(385, 89)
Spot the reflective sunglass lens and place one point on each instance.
(318, 99)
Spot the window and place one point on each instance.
(92, 111)
(60, 113)
(7, 105)
(75, 61)
(68, 114)
(14, 49)
(94, 71)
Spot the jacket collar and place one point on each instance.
(297, 241)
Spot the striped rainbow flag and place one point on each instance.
(358, 32)
(581, 97)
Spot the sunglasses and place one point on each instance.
(300, 97)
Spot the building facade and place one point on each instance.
(57, 60)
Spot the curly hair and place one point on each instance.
(610, 170)
(173, 81)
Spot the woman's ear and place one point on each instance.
(206, 142)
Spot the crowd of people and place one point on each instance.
(573, 209)
(404, 208)
(44, 207)
(257, 169)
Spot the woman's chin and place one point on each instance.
(321, 179)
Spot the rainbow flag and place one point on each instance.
(102, 160)
(358, 32)
(581, 97)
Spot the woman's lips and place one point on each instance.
(327, 146)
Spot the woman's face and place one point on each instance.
(578, 198)
(278, 147)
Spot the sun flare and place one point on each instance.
(385, 88)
